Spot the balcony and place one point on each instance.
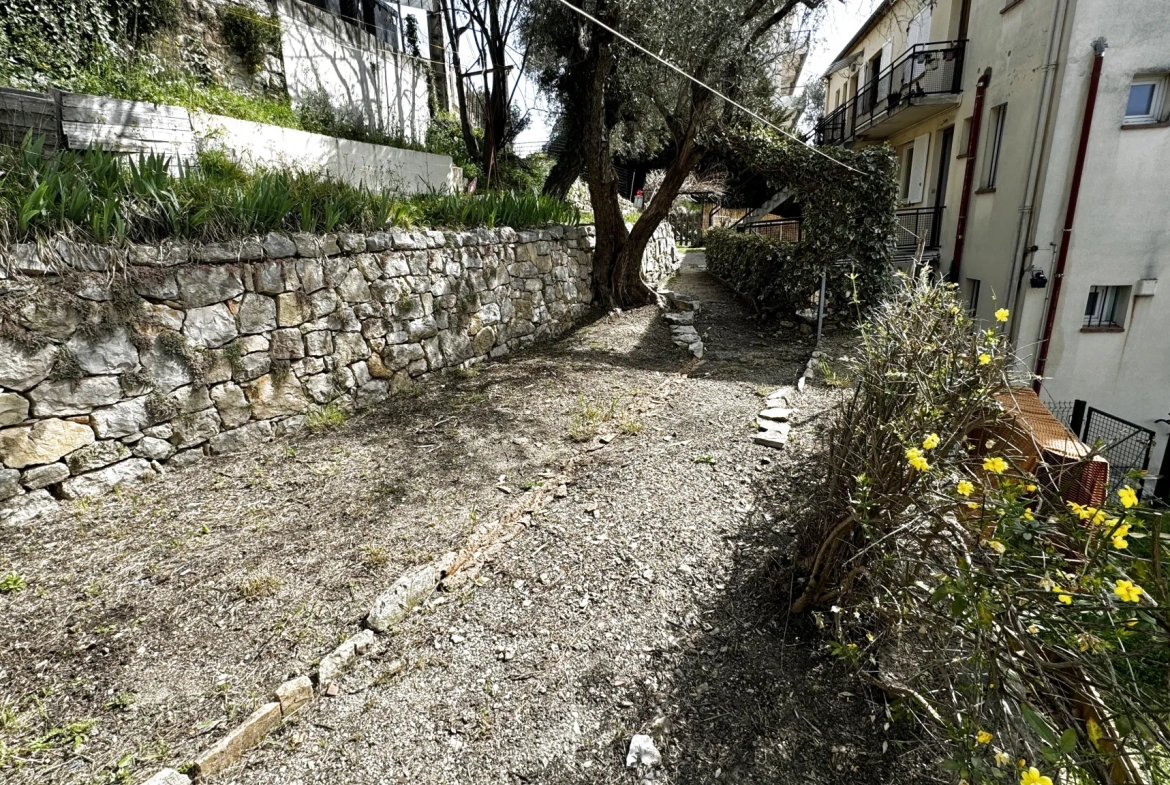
(789, 230)
(915, 227)
(924, 81)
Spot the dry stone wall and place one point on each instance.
(114, 363)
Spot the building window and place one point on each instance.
(1147, 96)
(1106, 306)
(905, 167)
(973, 295)
(996, 123)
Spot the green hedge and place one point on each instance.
(848, 200)
(781, 278)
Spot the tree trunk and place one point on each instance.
(569, 166)
(627, 274)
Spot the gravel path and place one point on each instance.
(643, 598)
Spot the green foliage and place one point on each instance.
(107, 198)
(57, 38)
(250, 36)
(1008, 622)
(496, 208)
(12, 583)
(848, 227)
(444, 137)
(331, 415)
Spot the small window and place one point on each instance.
(1147, 96)
(1106, 306)
(973, 296)
(994, 141)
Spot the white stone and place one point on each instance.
(22, 509)
(105, 480)
(108, 352)
(211, 326)
(63, 398)
(21, 367)
(42, 476)
(642, 752)
(121, 419)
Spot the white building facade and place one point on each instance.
(1000, 122)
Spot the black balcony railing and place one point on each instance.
(786, 229)
(918, 226)
(925, 69)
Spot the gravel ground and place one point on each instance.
(646, 599)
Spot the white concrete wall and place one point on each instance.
(358, 73)
(1121, 233)
(356, 163)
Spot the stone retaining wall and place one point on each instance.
(113, 363)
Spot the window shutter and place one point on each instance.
(918, 169)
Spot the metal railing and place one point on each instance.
(786, 229)
(918, 225)
(1126, 445)
(925, 69)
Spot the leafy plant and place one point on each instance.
(325, 417)
(12, 583)
(250, 36)
(954, 573)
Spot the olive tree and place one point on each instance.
(617, 100)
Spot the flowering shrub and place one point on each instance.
(1026, 634)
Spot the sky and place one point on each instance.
(841, 20)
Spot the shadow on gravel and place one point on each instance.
(758, 697)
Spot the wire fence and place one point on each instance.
(1126, 445)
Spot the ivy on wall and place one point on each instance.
(57, 38)
(848, 226)
(250, 36)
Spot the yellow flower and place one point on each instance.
(1120, 543)
(972, 505)
(995, 465)
(1120, 531)
(1033, 776)
(1031, 488)
(931, 442)
(1028, 516)
(1001, 315)
(1065, 598)
(1128, 497)
(964, 488)
(1002, 759)
(983, 737)
(1128, 591)
(996, 546)
(984, 358)
(915, 459)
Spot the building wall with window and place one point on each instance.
(1118, 356)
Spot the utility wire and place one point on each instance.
(704, 85)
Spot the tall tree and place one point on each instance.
(488, 27)
(625, 99)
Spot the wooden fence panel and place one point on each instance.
(127, 126)
(22, 111)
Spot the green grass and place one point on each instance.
(11, 583)
(106, 198)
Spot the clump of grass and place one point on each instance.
(325, 417)
(832, 377)
(590, 419)
(12, 583)
(374, 556)
(706, 458)
(66, 367)
(258, 586)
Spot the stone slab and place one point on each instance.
(230, 748)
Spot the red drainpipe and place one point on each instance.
(968, 174)
(1070, 212)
